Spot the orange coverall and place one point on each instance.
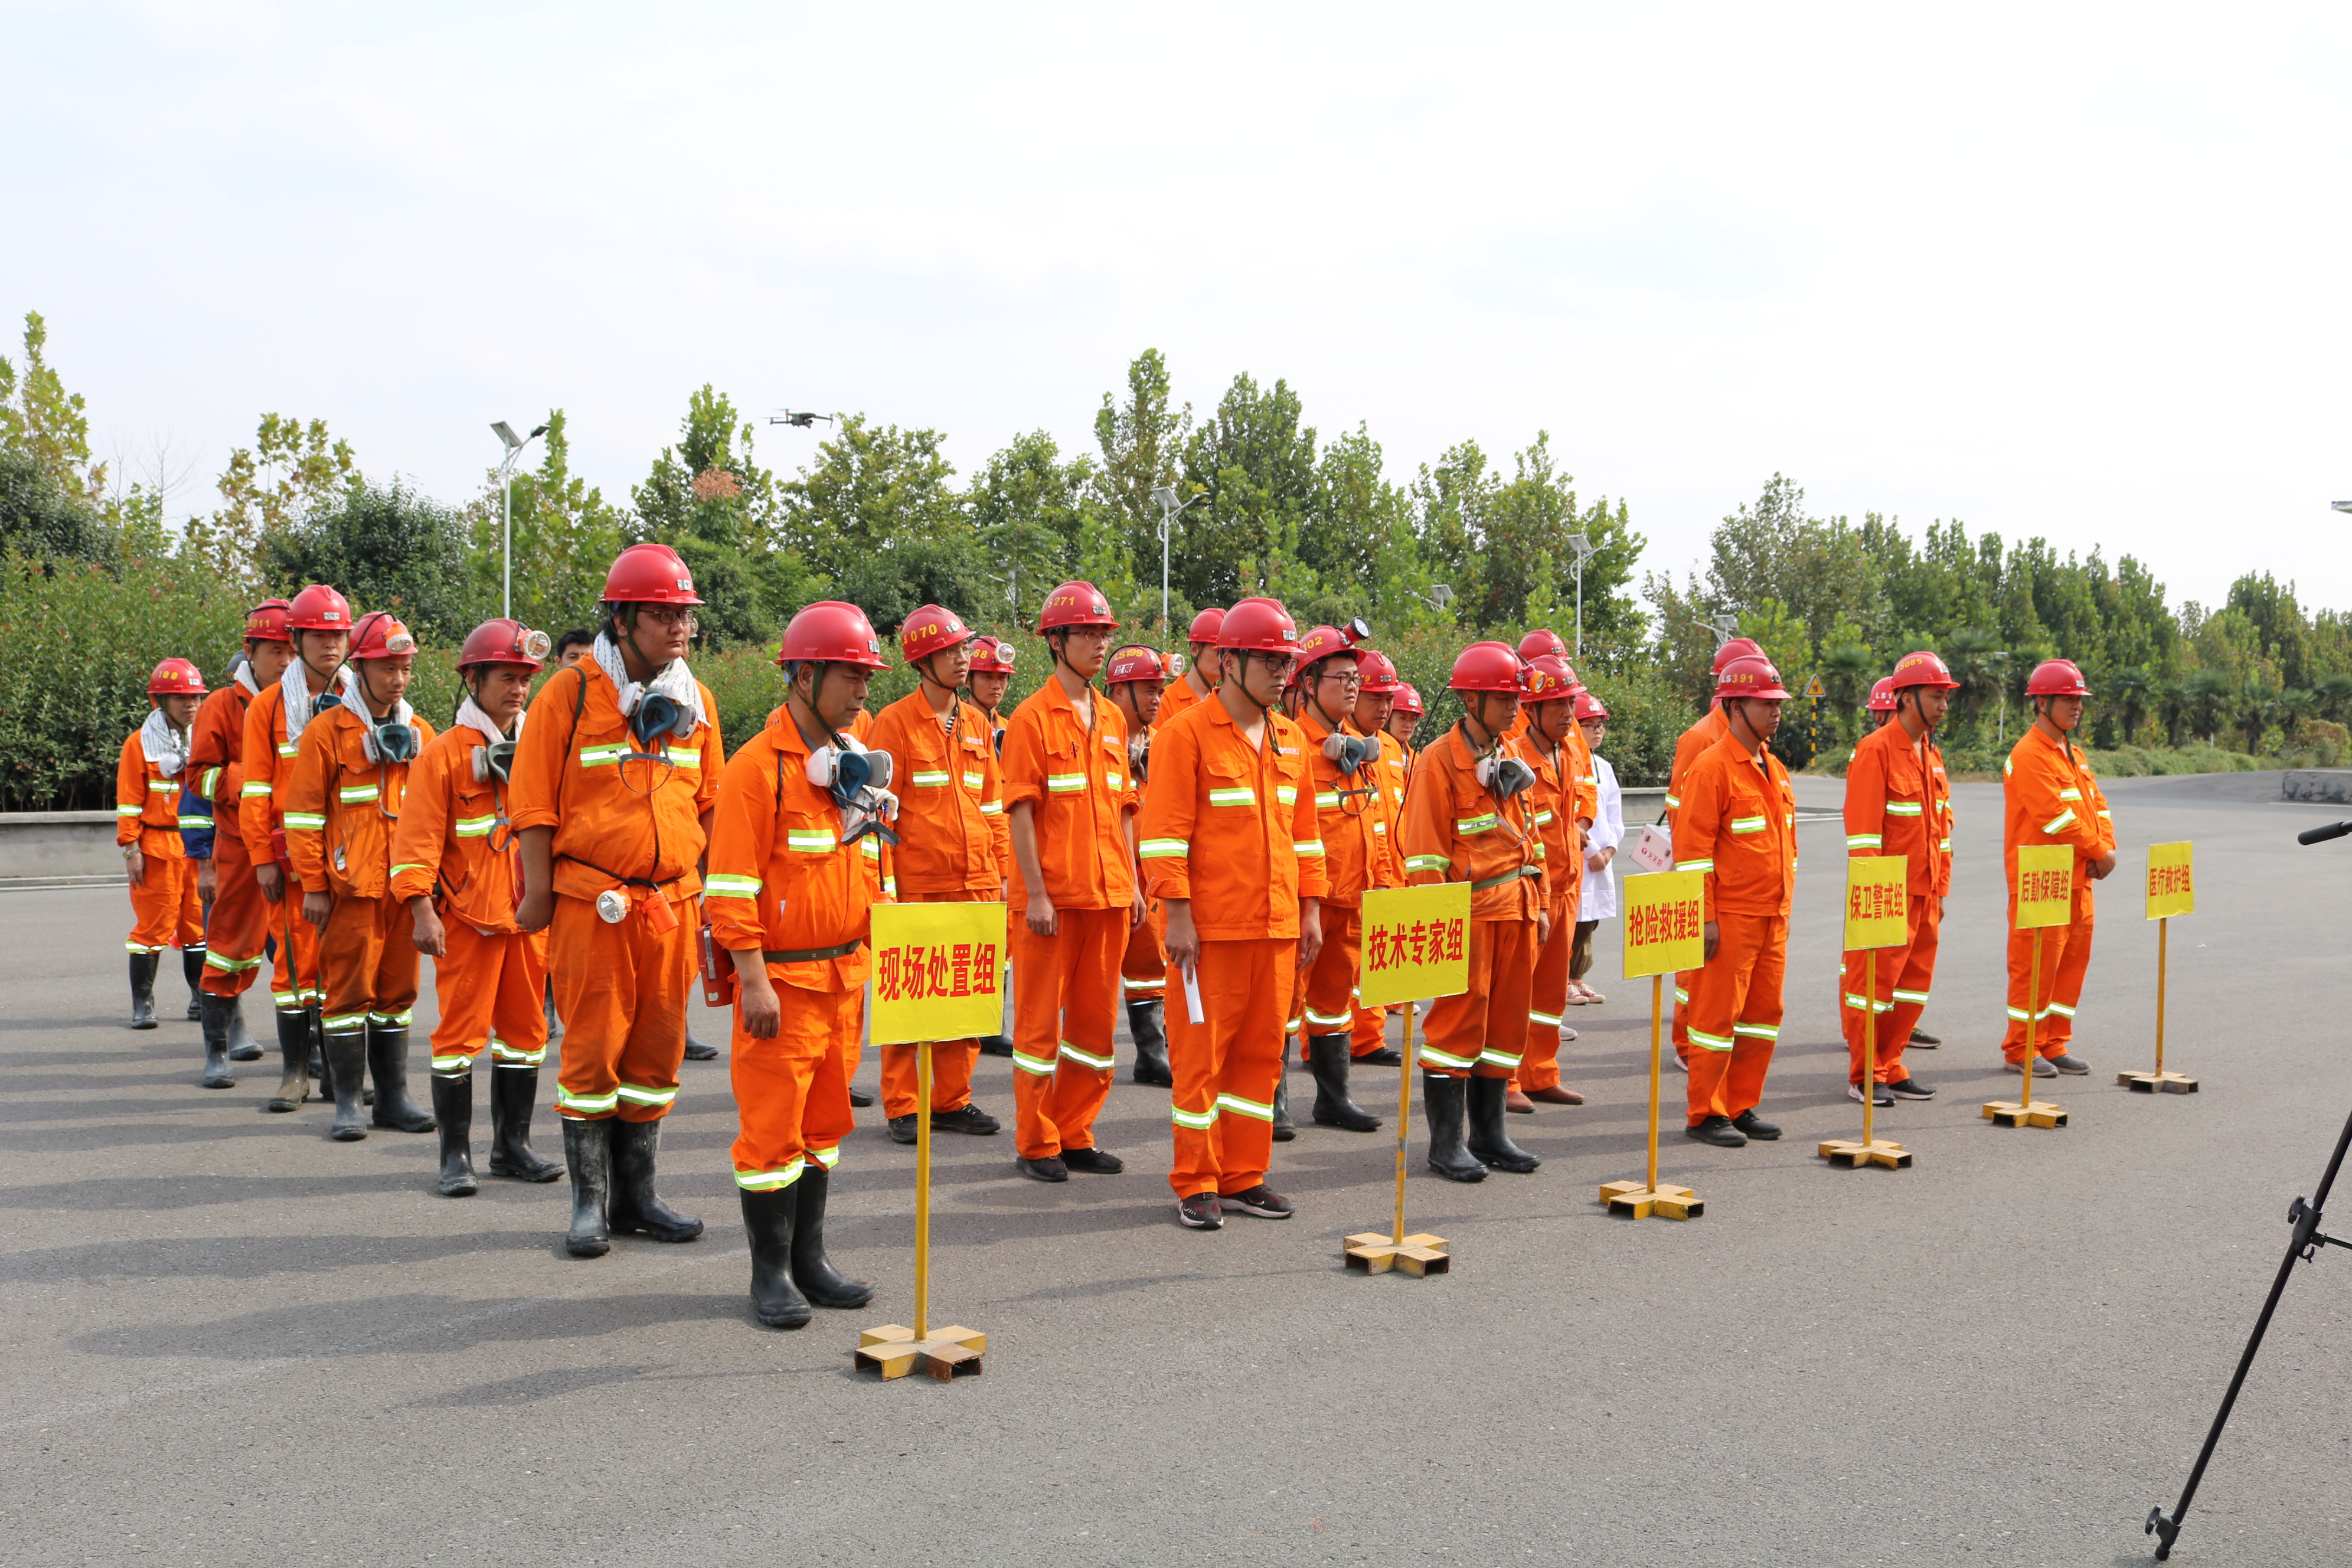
(782, 882)
(1394, 770)
(1564, 794)
(1737, 822)
(341, 810)
(454, 845)
(1712, 727)
(1351, 822)
(1175, 697)
(268, 758)
(1456, 832)
(1143, 967)
(627, 819)
(239, 928)
(1898, 801)
(2052, 798)
(953, 846)
(165, 909)
(1231, 828)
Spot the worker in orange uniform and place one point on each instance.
(456, 869)
(1705, 732)
(1136, 681)
(236, 931)
(1377, 688)
(791, 897)
(165, 911)
(1075, 896)
(1898, 801)
(1230, 845)
(2052, 797)
(1563, 800)
(341, 805)
(1352, 811)
(1737, 822)
(1468, 819)
(1404, 719)
(954, 844)
(319, 630)
(1200, 672)
(611, 789)
(992, 673)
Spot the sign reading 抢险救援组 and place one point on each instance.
(1665, 923)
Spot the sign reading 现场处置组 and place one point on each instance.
(938, 972)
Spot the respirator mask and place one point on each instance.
(1505, 777)
(659, 714)
(859, 782)
(1351, 754)
(493, 762)
(390, 742)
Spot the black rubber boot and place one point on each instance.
(142, 990)
(387, 1055)
(819, 1280)
(294, 1058)
(1441, 1102)
(513, 1092)
(696, 1051)
(191, 965)
(996, 1046)
(453, 1113)
(1327, 1059)
(347, 1053)
(322, 1073)
(214, 1018)
(588, 1151)
(767, 1219)
(1148, 1022)
(1488, 1143)
(1285, 1130)
(634, 1205)
(242, 1046)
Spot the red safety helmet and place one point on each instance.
(380, 636)
(1258, 625)
(2057, 677)
(830, 632)
(1549, 680)
(1882, 696)
(265, 622)
(930, 630)
(503, 642)
(1589, 707)
(1326, 642)
(1924, 669)
(176, 678)
(992, 656)
(1737, 647)
(1135, 662)
(1751, 675)
(1408, 701)
(1488, 667)
(319, 609)
(1378, 672)
(1540, 641)
(1206, 626)
(649, 574)
(1074, 605)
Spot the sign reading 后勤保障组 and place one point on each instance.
(1416, 944)
(938, 972)
(2171, 882)
(2045, 886)
(1665, 923)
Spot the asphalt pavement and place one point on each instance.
(231, 1341)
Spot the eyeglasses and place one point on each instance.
(669, 616)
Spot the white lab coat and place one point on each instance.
(1608, 831)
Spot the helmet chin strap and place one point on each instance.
(924, 676)
(1241, 685)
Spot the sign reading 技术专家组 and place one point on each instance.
(1665, 921)
(2171, 882)
(1877, 902)
(1416, 944)
(938, 972)
(2045, 886)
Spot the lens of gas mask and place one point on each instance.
(391, 742)
(660, 714)
(1505, 777)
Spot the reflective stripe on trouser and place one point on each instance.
(1482, 1032)
(1905, 976)
(1143, 968)
(165, 909)
(294, 979)
(490, 989)
(1548, 1000)
(1226, 1067)
(1063, 1016)
(2065, 957)
(368, 962)
(1735, 1015)
(1329, 1006)
(621, 991)
(951, 1060)
(1684, 979)
(238, 930)
(792, 1093)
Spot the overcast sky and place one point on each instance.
(2071, 271)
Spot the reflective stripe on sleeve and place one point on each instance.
(303, 821)
(726, 885)
(2062, 819)
(1159, 848)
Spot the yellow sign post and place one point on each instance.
(1416, 948)
(1664, 931)
(2171, 891)
(2045, 897)
(938, 975)
(1877, 904)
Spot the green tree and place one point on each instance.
(40, 519)
(2131, 691)
(878, 516)
(1253, 463)
(44, 422)
(291, 469)
(707, 498)
(387, 548)
(1141, 443)
(566, 536)
(1028, 512)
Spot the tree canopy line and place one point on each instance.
(99, 587)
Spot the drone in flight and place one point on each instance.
(798, 419)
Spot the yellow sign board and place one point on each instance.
(2171, 884)
(2045, 886)
(1877, 902)
(939, 971)
(1416, 944)
(1664, 923)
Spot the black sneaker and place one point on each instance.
(965, 1117)
(861, 1098)
(1922, 1040)
(1260, 1200)
(1755, 1126)
(1883, 1097)
(2070, 1063)
(1049, 1169)
(902, 1129)
(1094, 1161)
(1201, 1210)
(1910, 1088)
(1385, 1057)
(1719, 1131)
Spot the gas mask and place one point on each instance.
(493, 761)
(389, 742)
(1505, 777)
(1349, 753)
(1138, 754)
(859, 782)
(660, 714)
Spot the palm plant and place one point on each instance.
(2205, 702)
(2332, 698)
(1975, 657)
(2257, 709)
(2130, 689)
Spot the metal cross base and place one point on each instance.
(1378, 1251)
(2153, 1082)
(1849, 1155)
(1636, 1200)
(2036, 1113)
(893, 1350)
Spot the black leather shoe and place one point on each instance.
(696, 1051)
(1719, 1131)
(861, 1098)
(966, 1117)
(1755, 1126)
(1094, 1161)
(902, 1129)
(1049, 1169)
(1922, 1040)
(996, 1046)
(1386, 1056)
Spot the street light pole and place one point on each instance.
(506, 529)
(1164, 496)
